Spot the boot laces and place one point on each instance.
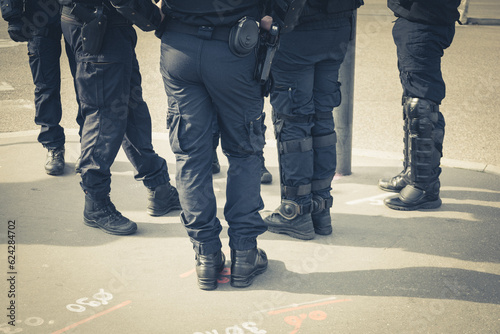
(110, 210)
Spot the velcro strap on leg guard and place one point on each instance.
(319, 203)
(318, 185)
(290, 209)
(323, 115)
(291, 192)
(323, 141)
(295, 118)
(422, 127)
(420, 159)
(421, 108)
(294, 146)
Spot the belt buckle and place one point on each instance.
(205, 32)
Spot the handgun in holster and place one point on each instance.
(269, 43)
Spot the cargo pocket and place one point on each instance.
(282, 98)
(256, 129)
(282, 103)
(174, 121)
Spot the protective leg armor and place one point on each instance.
(304, 209)
(293, 216)
(425, 142)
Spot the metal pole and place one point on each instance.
(343, 114)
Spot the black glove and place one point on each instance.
(17, 31)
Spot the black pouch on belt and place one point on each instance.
(93, 29)
(244, 37)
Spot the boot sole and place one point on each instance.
(327, 231)
(292, 233)
(391, 190)
(243, 282)
(93, 224)
(55, 172)
(164, 212)
(427, 205)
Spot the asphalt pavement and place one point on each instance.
(381, 271)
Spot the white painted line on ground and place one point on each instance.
(5, 86)
(374, 200)
(20, 103)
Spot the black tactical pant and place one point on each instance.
(114, 113)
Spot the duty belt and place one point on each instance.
(204, 32)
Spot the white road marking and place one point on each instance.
(5, 86)
(374, 200)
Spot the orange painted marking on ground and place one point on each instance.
(125, 303)
(307, 306)
(187, 273)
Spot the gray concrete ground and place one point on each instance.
(382, 271)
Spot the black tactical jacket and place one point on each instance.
(212, 13)
(319, 14)
(434, 12)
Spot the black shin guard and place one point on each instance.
(425, 142)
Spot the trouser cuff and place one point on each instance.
(163, 178)
(206, 248)
(242, 243)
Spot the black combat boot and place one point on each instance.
(265, 176)
(322, 221)
(103, 214)
(208, 268)
(54, 163)
(291, 219)
(163, 199)
(414, 198)
(425, 144)
(395, 183)
(246, 265)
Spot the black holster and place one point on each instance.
(269, 44)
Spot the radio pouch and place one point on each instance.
(244, 37)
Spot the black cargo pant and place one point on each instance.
(113, 110)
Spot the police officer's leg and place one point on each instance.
(326, 98)
(151, 169)
(102, 82)
(293, 118)
(420, 48)
(190, 122)
(237, 97)
(44, 51)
